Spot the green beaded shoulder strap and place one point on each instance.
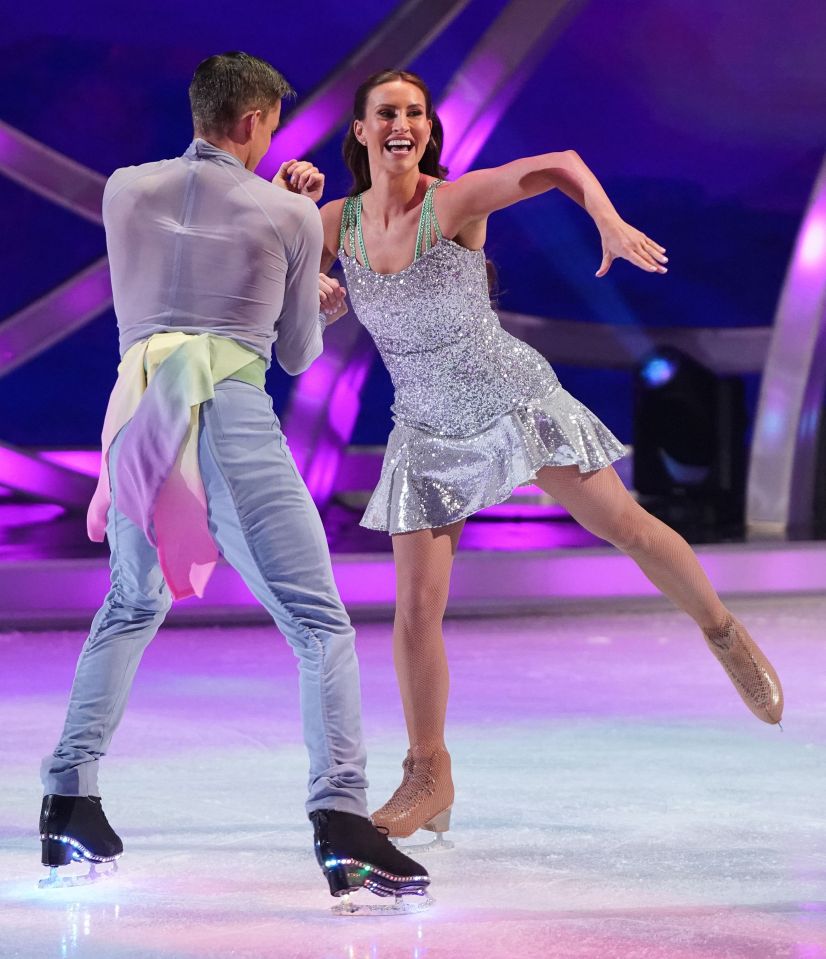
(428, 224)
(351, 229)
(347, 223)
(351, 226)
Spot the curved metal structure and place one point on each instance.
(781, 483)
(398, 40)
(495, 71)
(55, 316)
(51, 174)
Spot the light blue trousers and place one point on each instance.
(267, 527)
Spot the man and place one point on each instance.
(212, 266)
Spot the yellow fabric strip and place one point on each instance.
(205, 360)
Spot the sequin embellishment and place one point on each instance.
(477, 412)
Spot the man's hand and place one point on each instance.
(332, 298)
(300, 176)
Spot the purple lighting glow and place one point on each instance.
(13, 515)
(39, 479)
(812, 251)
(86, 462)
(493, 73)
(10, 150)
(406, 31)
(310, 127)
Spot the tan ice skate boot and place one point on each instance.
(423, 800)
(752, 674)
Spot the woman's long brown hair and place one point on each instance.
(355, 154)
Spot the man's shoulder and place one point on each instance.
(280, 199)
(126, 175)
(284, 208)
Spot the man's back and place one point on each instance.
(200, 244)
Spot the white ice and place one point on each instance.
(614, 797)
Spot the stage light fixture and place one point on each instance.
(689, 437)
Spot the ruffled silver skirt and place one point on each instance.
(428, 481)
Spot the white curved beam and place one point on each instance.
(55, 316)
(36, 478)
(611, 346)
(781, 483)
(51, 174)
(495, 71)
(398, 40)
(324, 405)
(481, 89)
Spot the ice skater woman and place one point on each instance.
(478, 412)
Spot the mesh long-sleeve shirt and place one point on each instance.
(202, 245)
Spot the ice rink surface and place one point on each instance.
(614, 797)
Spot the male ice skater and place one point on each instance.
(212, 266)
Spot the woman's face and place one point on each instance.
(395, 128)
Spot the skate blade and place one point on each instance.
(401, 906)
(65, 882)
(439, 844)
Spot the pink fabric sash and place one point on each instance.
(161, 384)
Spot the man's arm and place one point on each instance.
(299, 339)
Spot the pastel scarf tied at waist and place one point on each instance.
(161, 384)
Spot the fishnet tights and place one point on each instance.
(599, 502)
(424, 559)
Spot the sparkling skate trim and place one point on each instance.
(79, 847)
(367, 867)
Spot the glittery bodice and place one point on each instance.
(454, 368)
(477, 411)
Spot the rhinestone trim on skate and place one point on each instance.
(88, 856)
(330, 863)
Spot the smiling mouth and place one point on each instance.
(399, 145)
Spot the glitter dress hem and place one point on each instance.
(429, 481)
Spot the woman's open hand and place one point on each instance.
(620, 240)
(300, 176)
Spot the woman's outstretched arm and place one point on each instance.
(474, 196)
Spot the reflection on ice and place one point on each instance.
(614, 799)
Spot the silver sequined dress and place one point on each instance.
(477, 412)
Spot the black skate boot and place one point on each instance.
(354, 854)
(75, 829)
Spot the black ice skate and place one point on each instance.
(354, 854)
(75, 829)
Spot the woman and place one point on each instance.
(477, 412)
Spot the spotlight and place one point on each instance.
(658, 370)
(689, 438)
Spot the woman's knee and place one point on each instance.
(421, 601)
(630, 530)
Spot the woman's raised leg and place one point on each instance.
(600, 503)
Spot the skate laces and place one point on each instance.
(419, 783)
(410, 792)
